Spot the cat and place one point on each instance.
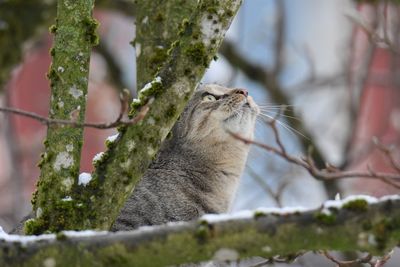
(197, 170)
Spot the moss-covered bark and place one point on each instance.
(157, 27)
(356, 226)
(74, 36)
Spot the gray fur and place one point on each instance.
(196, 171)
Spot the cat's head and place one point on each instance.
(213, 111)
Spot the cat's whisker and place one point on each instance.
(280, 115)
(284, 125)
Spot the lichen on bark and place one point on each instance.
(75, 34)
(157, 26)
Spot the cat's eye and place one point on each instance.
(209, 98)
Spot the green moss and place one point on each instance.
(229, 13)
(197, 54)
(259, 214)
(60, 236)
(157, 58)
(202, 231)
(367, 225)
(173, 46)
(52, 75)
(159, 17)
(325, 219)
(358, 205)
(171, 112)
(53, 29)
(33, 227)
(91, 26)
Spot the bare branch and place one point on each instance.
(365, 259)
(107, 125)
(327, 174)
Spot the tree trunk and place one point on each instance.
(74, 37)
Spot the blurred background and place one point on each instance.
(331, 65)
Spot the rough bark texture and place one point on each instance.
(74, 36)
(157, 26)
(373, 228)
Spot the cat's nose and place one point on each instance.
(242, 91)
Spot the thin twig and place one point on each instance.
(327, 174)
(365, 259)
(47, 121)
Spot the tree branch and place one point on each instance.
(356, 224)
(326, 174)
(107, 125)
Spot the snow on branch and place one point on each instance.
(359, 223)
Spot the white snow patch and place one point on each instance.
(136, 101)
(84, 178)
(60, 69)
(75, 92)
(63, 160)
(67, 198)
(86, 233)
(112, 138)
(150, 84)
(97, 157)
(158, 79)
(337, 204)
(226, 254)
(24, 240)
(248, 214)
(390, 197)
